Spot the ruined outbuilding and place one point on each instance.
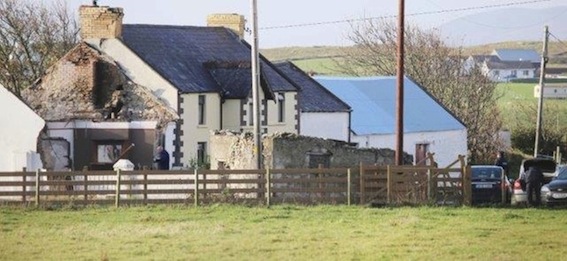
(87, 101)
(231, 150)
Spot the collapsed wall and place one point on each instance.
(232, 150)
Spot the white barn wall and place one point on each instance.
(20, 130)
(446, 145)
(325, 125)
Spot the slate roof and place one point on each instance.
(373, 103)
(517, 55)
(312, 97)
(186, 57)
(509, 65)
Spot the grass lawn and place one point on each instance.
(225, 232)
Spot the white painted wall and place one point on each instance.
(193, 132)
(325, 125)
(137, 70)
(446, 145)
(505, 75)
(19, 131)
(552, 91)
(290, 108)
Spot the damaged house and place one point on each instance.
(95, 114)
(128, 88)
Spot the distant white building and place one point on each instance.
(556, 91)
(503, 65)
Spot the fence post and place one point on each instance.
(85, 183)
(348, 186)
(145, 169)
(37, 188)
(196, 188)
(389, 185)
(268, 190)
(24, 189)
(117, 195)
(429, 197)
(362, 190)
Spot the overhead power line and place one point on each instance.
(407, 15)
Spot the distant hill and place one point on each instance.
(505, 25)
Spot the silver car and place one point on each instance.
(547, 166)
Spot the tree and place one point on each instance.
(32, 37)
(523, 128)
(439, 69)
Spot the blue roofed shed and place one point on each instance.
(427, 123)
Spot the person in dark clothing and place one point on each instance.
(533, 178)
(502, 161)
(162, 158)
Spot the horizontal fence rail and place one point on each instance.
(196, 186)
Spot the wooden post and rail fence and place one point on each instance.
(365, 184)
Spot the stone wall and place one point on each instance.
(236, 151)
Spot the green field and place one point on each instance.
(225, 232)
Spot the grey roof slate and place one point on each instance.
(313, 97)
(373, 102)
(529, 55)
(183, 55)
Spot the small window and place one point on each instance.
(281, 107)
(201, 109)
(250, 114)
(201, 152)
(496, 73)
(108, 152)
(514, 73)
(526, 73)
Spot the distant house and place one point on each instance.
(428, 125)
(322, 114)
(503, 65)
(552, 91)
(21, 128)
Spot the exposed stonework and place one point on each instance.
(100, 22)
(87, 85)
(235, 22)
(286, 150)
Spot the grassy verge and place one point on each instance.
(282, 232)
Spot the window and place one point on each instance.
(496, 73)
(514, 73)
(250, 114)
(108, 152)
(201, 109)
(201, 152)
(526, 73)
(281, 107)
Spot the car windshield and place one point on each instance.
(487, 172)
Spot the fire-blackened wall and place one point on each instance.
(87, 140)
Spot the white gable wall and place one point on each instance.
(327, 125)
(137, 70)
(20, 130)
(446, 145)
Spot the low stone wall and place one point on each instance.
(236, 151)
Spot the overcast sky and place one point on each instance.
(276, 13)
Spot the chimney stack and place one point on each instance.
(235, 22)
(100, 22)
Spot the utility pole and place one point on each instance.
(541, 86)
(399, 158)
(255, 86)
